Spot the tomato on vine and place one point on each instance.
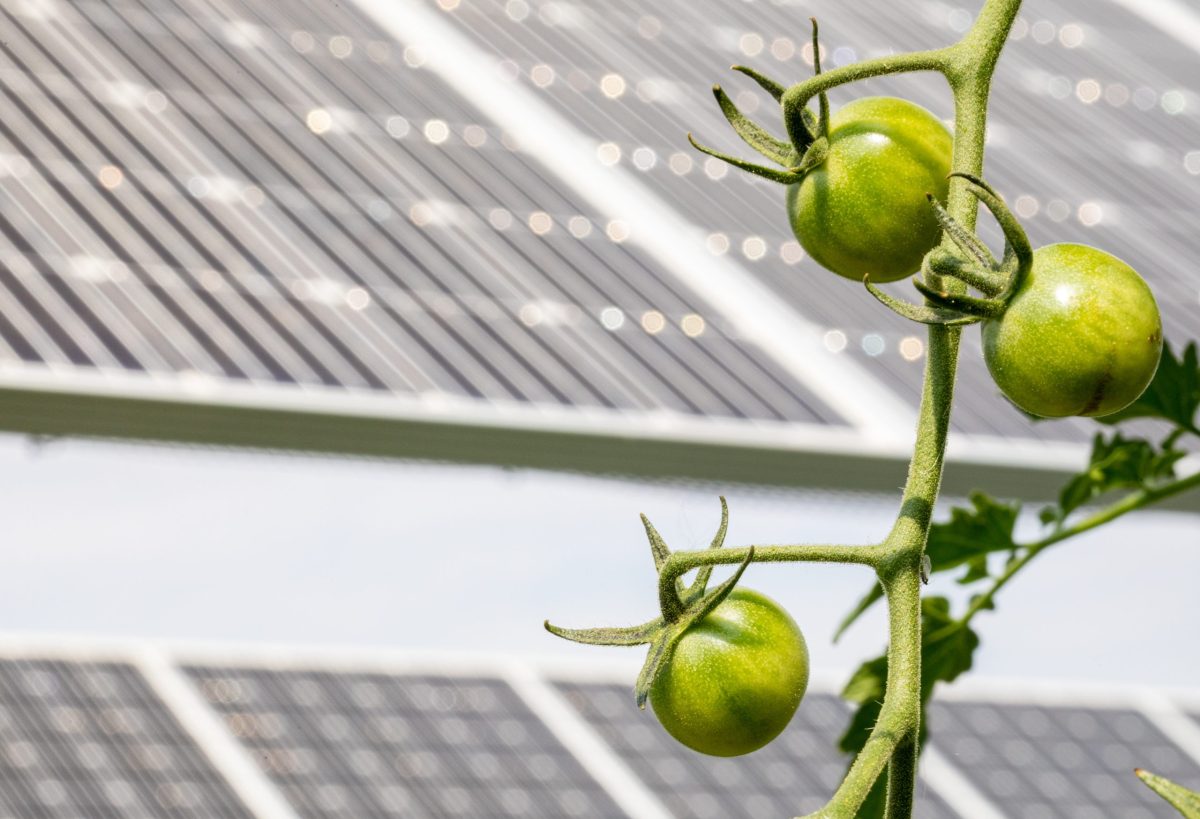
(862, 211)
(734, 679)
(1081, 336)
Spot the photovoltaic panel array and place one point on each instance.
(86, 738)
(373, 746)
(1039, 762)
(793, 775)
(269, 193)
(1092, 139)
(92, 740)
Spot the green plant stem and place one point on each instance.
(679, 563)
(968, 66)
(798, 96)
(894, 729)
(1124, 506)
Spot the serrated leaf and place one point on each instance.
(1116, 463)
(990, 605)
(971, 533)
(947, 646)
(1173, 394)
(1183, 800)
(977, 569)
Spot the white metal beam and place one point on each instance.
(596, 756)
(228, 756)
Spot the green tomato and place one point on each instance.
(864, 211)
(734, 679)
(1081, 337)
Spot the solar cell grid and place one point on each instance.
(793, 775)
(91, 739)
(372, 745)
(1040, 762)
(247, 191)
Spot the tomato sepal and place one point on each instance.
(980, 308)
(630, 636)
(672, 631)
(784, 177)
(775, 89)
(682, 607)
(976, 267)
(1185, 801)
(921, 313)
(754, 134)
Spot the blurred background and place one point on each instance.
(342, 343)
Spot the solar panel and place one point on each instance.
(91, 739)
(244, 192)
(1039, 762)
(81, 737)
(375, 745)
(1076, 74)
(793, 775)
(215, 205)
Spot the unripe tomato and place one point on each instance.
(864, 210)
(735, 678)
(1081, 337)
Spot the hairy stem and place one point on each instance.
(969, 71)
(679, 563)
(798, 96)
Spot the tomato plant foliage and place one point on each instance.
(1067, 330)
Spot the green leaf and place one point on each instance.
(947, 646)
(971, 533)
(1185, 801)
(1116, 463)
(977, 569)
(1173, 395)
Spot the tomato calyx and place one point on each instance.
(682, 607)
(808, 135)
(970, 262)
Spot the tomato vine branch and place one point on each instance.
(1129, 503)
